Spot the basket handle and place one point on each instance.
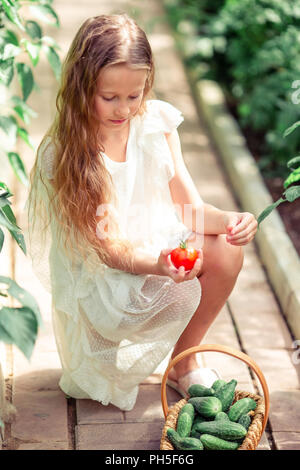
(226, 350)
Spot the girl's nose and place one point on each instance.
(122, 111)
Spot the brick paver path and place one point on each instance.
(251, 321)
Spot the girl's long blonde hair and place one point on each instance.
(80, 180)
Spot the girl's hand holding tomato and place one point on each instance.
(181, 263)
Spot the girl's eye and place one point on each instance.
(110, 99)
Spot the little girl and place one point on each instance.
(107, 189)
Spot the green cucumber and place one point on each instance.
(184, 424)
(195, 434)
(180, 443)
(218, 384)
(206, 406)
(215, 443)
(241, 407)
(173, 437)
(197, 390)
(191, 443)
(245, 420)
(226, 394)
(188, 408)
(198, 419)
(224, 429)
(221, 415)
(185, 420)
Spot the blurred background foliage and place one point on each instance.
(22, 43)
(252, 49)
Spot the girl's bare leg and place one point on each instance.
(222, 263)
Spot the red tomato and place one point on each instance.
(183, 256)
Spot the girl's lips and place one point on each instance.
(118, 121)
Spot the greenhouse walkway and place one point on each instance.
(251, 321)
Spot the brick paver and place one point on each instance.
(251, 320)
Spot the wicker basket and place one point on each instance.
(259, 415)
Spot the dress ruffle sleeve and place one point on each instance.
(160, 118)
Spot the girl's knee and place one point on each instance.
(221, 256)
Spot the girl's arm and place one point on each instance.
(141, 263)
(134, 262)
(240, 227)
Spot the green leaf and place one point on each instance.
(18, 167)
(4, 201)
(292, 178)
(45, 13)
(294, 161)
(9, 214)
(49, 41)
(23, 296)
(33, 51)
(268, 210)
(26, 137)
(26, 80)
(9, 36)
(54, 61)
(1, 238)
(6, 71)
(9, 51)
(17, 235)
(292, 193)
(19, 326)
(22, 109)
(4, 189)
(9, 126)
(5, 222)
(12, 14)
(290, 129)
(33, 29)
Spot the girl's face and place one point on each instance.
(119, 95)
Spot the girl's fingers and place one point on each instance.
(179, 277)
(241, 241)
(196, 269)
(247, 232)
(183, 275)
(246, 220)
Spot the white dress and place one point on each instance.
(113, 328)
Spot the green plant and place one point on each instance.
(291, 183)
(21, 38)
(252, 48)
